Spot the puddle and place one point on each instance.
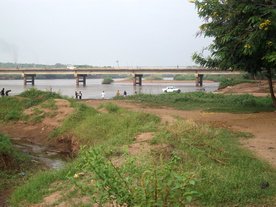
(40, 154)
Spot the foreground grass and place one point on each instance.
(12, 162)
(188, 162)
(11, 108)
(207, 101)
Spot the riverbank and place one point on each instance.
(204, 153)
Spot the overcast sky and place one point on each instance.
(99, 32)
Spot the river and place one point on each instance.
(93, 89)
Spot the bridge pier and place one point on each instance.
(199, 80)
(137, 79)
(29, 78)
(81, 78)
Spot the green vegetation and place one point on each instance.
(224, 80)
(154, 77)
(11, 162)
(207, 101)
(185, 77)
(107, 80)
(187, 162)
(234, 48)
(38, 186)
(226, 174)
(12, 107)
(107, 127)
(9, 157)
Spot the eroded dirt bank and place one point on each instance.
(261, 125)
(33, 138)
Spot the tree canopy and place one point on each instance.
(244, 35)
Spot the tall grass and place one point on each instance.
(208, 101)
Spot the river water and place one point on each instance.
(94, 87)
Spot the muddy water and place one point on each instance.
(46, 157)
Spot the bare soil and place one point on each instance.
(38, 133)
(259, 88)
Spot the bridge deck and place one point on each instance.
(124, 70)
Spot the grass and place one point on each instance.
(38, 186)
(207, 101)
(197, 163)
(11, 163)
(11, 108)
(227, 174)
(92, 127)
(230, 81)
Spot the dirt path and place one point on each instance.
(261, 125)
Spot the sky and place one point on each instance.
(100, 32)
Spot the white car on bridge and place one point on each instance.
(171, 89)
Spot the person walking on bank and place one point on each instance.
(125, 93)
(7, 92)
(76, 95)
(80, 95)
(3, 92)
(103, 94)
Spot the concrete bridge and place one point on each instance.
(29, 74)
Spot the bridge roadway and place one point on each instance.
(80, 73)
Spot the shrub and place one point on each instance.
(36, 97)
(107, 81)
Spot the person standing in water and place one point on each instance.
(118, 93)
(103, 94)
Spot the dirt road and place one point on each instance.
(261, 125)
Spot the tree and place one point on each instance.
(244, 36)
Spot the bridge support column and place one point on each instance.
(29, 78)
(81, 78)
(137, 79)
(199, 80)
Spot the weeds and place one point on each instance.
(153, 185)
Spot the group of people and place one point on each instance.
(5, 93)
(118, 93)
(78, 95)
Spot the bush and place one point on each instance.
(107, 81)
(154, 77)
(184, 77)
(36, 97)
(224, 82)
